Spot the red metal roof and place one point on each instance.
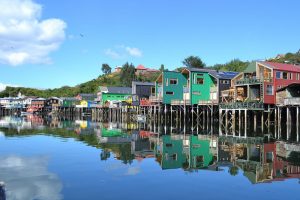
(141, 67)
(282, 66)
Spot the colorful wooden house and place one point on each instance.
(258, 84)
(37, 105)
(86, 96)
(289, 95)
(109, 95)
(52, 103)
(141, 91)
(68, 102)
(169, 87)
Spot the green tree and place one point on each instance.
(162, 67)
(127, 74)
(235, 65)
(193, 61)
(106, 69)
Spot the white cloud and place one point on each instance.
(3, 86)
(24, 38)
(135, 52)
(121, 51)
(113, 54)
(29, 178)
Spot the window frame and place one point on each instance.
(272, 90)
(173, 79)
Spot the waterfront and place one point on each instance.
(44, 158)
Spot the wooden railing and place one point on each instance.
(155, 99)
(243, 105)
(292, 101)
(181, 102)
(248, 81)
(208, 102)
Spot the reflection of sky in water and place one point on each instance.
(28, 178)
(1, 134)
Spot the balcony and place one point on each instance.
(248, 81)
(292, 101)
(255, 105)
(181, 102)
(155, 99)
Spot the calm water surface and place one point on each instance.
(80, 159)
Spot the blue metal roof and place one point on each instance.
(227, 75)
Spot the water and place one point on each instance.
(62, 159)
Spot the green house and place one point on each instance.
(169, 87)
(205, 85)
(109, 95)
(68, 102)
(200, 154)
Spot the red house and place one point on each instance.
(261, 80)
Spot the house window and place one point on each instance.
(269, 89)
(199, 81)
(291, 76)
(284, 75)
(173, 81)
(225, 82)
(196, 93)
(298, 76)
(168, 92)
(278, 75)
(153, 90)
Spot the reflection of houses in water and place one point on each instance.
(141, 146)
(86, 127)
(261, 162)
(112, 133)
(187, 152)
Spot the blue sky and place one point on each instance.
(81, 35)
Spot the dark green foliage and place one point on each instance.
(193, 61)
(162, 67)
(127, 74)
(234, 65)
(106, 69)
(289, 58)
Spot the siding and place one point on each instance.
(200, 91)
(176, 89)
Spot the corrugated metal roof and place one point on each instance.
(251, 68)
(142, 83)
(282, 66)
(215, 73)
(227, 75)
(119, 90)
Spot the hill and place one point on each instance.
(112, 79)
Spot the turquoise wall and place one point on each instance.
(200, 91)
(177, 89)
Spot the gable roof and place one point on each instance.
(141, 67)
(216, 74)
(116, 90)
(282, 66)
(250, 68)
(134, 83)
(227, 75)
(293, 85)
